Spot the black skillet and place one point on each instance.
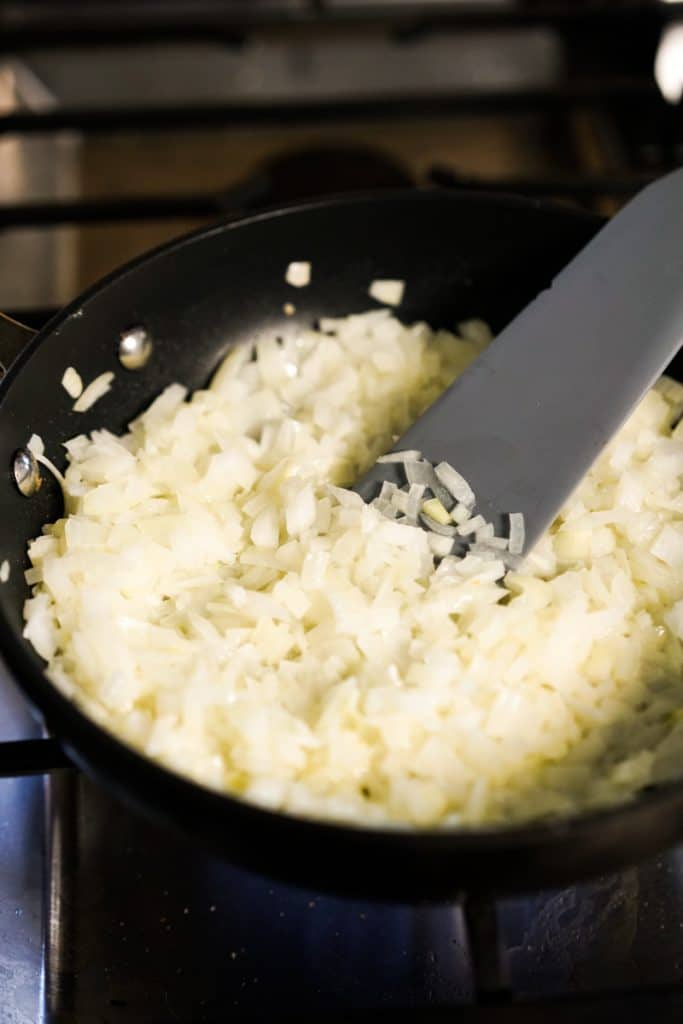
(461, 256)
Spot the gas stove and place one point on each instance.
(120, 128)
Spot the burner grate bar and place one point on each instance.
(24, 26)
(581, 92)
(89, 211)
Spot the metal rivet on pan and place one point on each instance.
(135, 348)
(26, 472)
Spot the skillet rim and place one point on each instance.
(109, 750)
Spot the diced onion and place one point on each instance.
(72, 383)
(415, 495)
(387, 291)
(516, 539)
(423, 473)
(220, 600)
(440, 546)
(298, 274)
(455, 484)
(460, 514)
(387, 490)
(436, 526)
(36, 445)
(435, 510)
(470, 526)
(484, 533)
(94, 391)
(501, 543)
(407, 456)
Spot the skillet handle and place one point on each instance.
(31, 757)
(13, 339)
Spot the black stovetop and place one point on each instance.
(144, 926)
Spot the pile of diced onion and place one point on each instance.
(439, 499)
(217, 598)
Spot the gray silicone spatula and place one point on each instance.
(527, 419)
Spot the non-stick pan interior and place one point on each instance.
(460, 257)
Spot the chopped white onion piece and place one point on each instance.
(265, 530)
(345, 497)
(387, 509)
(440, 546)
(419, 472)
(298, 274)
(437, 527)
(387, 291)
(516, 539)
(399, 499)
(455, 484)
(471, 526)
(514, 562)
(460, 514)
(415, 496)
(408, 456)
(94, 391)
(492, 572)
(36, 445)
(501, 543)
(484, 551)
(423, 473)
(484, 533)
(300, 511)
(289, 309)
(476, 331)
(435, 510)
(4, 571)
(387, 490)
(72, 383)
